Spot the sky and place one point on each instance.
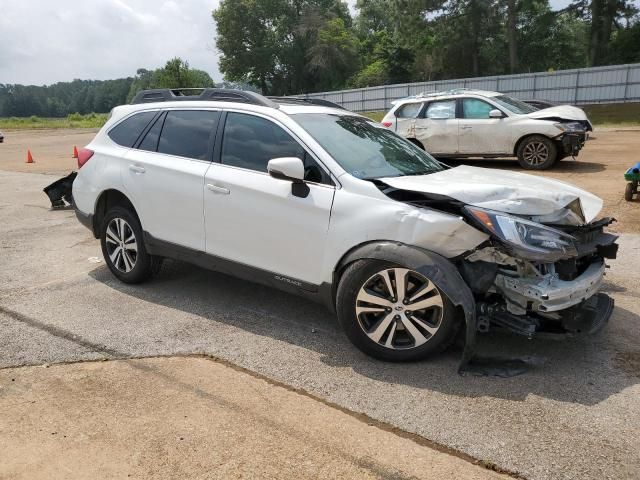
(47, 41)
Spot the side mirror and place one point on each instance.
(286, 168)
(495, 113)
(292, 169)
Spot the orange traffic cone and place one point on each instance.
(75, 152)
(30, 157)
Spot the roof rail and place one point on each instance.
(311, 101)
(207, 94)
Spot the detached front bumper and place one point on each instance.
(549, 293)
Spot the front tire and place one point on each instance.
(394, 313)
(123, 247)
(537, 152)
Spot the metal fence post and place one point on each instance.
(626, 83)
(575, 95)
(535, 77)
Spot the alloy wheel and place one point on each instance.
(536, 153)
(122, 246)
(399, 308)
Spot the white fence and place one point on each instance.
(582, 86)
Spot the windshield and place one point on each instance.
(513, 104)
(365, 149)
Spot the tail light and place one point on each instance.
(83, 156)
(386, 124)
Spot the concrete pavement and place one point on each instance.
(575, 415)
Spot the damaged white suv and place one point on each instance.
(324, 203)
(476, 123)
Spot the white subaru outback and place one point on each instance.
(316, 200)
(477, 123)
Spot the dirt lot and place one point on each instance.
(599, 169)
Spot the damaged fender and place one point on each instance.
(433, 266)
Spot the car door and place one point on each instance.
(480, 134)
(255, 219)
(164, 175)
(406, 116)
(437, 127)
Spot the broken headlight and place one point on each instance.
(525, 239)
(570, 127)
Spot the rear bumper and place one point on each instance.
(85, 219)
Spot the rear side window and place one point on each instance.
(188, 133)
(441, 110)
(127, 132)
(410, 110)
(474, 108)
(250, 142)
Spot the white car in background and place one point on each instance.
(474, 123)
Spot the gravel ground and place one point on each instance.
(574, 415)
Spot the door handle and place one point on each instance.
(466, 127)
(136, 169)
(217, 189)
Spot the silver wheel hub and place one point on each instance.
(536, 153)
(122, 246)
(399, 308)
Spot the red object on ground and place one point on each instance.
(30, 157)
(75, 152)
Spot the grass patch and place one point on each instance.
(375, 116)
(611, 114)
(614, 113)
(73, 120)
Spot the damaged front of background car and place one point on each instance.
(539, 271)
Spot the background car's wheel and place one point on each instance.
(123, 247)
(394, 313)
(537, 153)
(629, 190)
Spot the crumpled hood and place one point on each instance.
(500, 190)
(565, 112)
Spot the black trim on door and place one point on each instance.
(217, 149)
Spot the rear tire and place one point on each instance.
(537, 152)
(123, 247)
(629, 191)
(385, 327)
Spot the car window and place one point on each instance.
(474, 108)
(150, 141)
(513, 104)
(441, 110)
(127, 132)
(188, 133)
(410, 110)
(365, 149)
(250, 142)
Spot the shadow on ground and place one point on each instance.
(584, 370)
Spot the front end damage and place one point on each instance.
(536, 275)
(533, 298)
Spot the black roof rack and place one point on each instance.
(309, 101)
(210, 94)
